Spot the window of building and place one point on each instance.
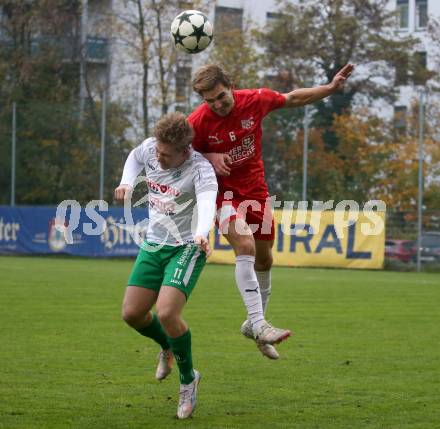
(273, 18)
(421, 13)
(421, 60)
(183, 83)
(403, 15)
(96, 48)
(402, 70)
(421, 73)
(228, 19)
(400, 118)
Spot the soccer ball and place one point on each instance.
(191, 31)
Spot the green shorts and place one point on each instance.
(177, 266)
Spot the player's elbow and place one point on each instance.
(292, 100)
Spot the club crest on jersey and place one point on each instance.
(214, 139)
(177, 174)
(247, 124)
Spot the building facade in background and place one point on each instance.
(412, 17)
(101, 49)
(94, 48)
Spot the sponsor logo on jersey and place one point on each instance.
(247, 124)
(167, 208)
(244, 151)
(248, 142)
(158, 188)
(214, 139)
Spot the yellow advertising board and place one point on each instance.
(307, 238)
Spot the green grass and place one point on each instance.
(366, 351)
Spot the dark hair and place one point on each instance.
(207, 78)
(175, 130)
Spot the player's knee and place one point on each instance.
(263, 263)
(130, 315)
(166, 317)
(246, 246)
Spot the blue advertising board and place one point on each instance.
(97, 233)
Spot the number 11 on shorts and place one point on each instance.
(177, 273)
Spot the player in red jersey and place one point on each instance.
(228, 132)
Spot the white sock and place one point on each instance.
(264, 280)
(247, 284)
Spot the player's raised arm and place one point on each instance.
(303, 96)
(132, 167)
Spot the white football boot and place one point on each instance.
(266, 349)
(268, 334)
(188, 397)
(164, 364)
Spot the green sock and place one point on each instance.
(181, 348)
(155, 331)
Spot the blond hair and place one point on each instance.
(175, 130)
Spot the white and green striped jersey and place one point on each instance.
(181, 200)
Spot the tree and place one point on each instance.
(382, 164)
(366, 146)
(312, 40)
(131, 29)
(371, 162)
(234, 49)
(400, 184)
(57, 155)
(142, 29)
(31, 64)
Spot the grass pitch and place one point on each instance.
(366, 351)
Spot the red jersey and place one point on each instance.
(239, 135)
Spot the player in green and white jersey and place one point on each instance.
(182, 190)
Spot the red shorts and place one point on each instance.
(258, 214)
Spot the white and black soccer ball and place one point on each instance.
(191, 31)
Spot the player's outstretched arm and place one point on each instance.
(303, 96)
